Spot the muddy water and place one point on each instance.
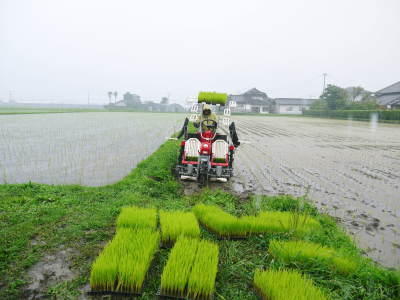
(79, 148)
(349, 169)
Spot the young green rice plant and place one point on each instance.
(123, 264)
(306, 253)
(224, 224)
(176, 223)
(278, 221)
(201, 282)
(286, 285)
(219, 221)
(179, 265)
(136, 217)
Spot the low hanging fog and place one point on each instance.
(59, 51)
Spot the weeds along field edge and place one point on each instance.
(41, 219)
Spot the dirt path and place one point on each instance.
(351, 169)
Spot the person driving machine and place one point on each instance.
(206, 115)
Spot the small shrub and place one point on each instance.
(286, 285)
(135, 217)
(123, 264)
(310, 253)
(176, 223)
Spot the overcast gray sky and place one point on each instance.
(53, 50)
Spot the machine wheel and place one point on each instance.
(202, 179)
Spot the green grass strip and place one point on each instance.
(123, 264)
(306, 253)
(135, 217)
(177, 270)
(176, 223)
(286, 285)
(201, 282)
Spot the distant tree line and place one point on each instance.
(351, 98)
(132, 101)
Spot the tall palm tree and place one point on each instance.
(115, 96)
(109, 96)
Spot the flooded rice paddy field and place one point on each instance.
(79, 148)
(350, 169)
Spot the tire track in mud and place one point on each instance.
(350, 171)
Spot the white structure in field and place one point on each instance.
(252, 101)
(257, 102)
(293, 106)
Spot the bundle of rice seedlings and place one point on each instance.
(278, 221)
(136, 217)
(224, 224)
(310, 253)
(123, 264)
(177, 270)
(220, 222)
(212, 98)
(286, 285)
(176, 223)
(201, 282)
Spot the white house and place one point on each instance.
(293, 106)
(253, 101)
(389, 97)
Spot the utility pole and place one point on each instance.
(323, 88)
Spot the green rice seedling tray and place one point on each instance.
(137, 217)
(212, 98)
(285, 284)
(190, 270)
(123, 264)
(112, 294)
(258, 293)
(177, 223)
(302, 252)
(221, 237)
(163, 296)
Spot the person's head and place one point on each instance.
(206, 110)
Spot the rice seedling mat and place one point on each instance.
(311, 253)
(221, 237)
(285, 284)
(177, 223)
(190, 270)
(112, 293)
(162, 296)
(123, 264)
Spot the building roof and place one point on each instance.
(394, 88)
(253, 97)
(389, 99)
(294, 101)
(254, 91)
(246, 99)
